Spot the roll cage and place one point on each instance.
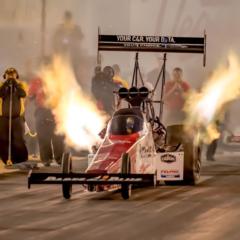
(163, 44)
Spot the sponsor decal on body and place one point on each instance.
(146, 151)
(145, 39)
(170, 173)
(170, 166)
(168, 158)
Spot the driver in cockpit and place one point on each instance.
(130, 125)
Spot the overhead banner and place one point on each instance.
(151, 43)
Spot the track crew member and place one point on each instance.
(174, 97)
(108, 89)
(97, 86)
(117, 79)
(51, 145)
(103, 87)
(18, 148)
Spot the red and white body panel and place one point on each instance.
(139, 146)
(143, 156)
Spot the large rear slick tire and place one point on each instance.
(192, 154)
(192, 163)
(126, 188)
(66, 169)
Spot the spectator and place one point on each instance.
(68, 36)
(152, 77)
(67, 41)
(174, 97)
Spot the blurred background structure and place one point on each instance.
(27, 28)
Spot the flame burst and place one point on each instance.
(205, 107)
(76, 114)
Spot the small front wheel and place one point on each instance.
(126, 191)
(125, 169)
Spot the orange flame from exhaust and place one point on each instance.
(76, 114)
(205, 107)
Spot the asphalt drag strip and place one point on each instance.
(210, 210)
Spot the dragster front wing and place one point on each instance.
(88, 178)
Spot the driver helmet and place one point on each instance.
(130, 124)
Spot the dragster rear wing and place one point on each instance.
(153, 44)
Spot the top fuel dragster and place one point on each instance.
(137, 149)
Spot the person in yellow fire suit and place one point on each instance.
(12, 94)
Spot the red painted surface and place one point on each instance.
(108, 159)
